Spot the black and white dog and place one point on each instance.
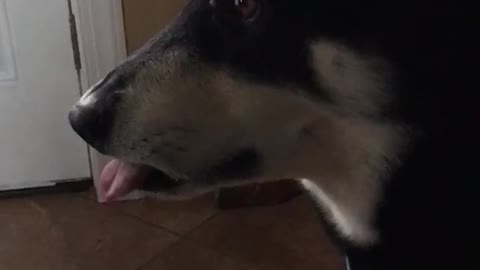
(371, 105)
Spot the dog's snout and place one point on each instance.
(91, 118)
(88, 124)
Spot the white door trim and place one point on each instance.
(101, 36)
(102, 43)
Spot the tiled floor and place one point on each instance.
(73, 232)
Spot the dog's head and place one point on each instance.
(235, 91)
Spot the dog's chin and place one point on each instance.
(120, 178)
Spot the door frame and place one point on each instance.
(102, 46)
(101, 36)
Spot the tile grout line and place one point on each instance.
(184, 237)
(150, 224)
(155, 226)
(180, 240)
(196, 228)
(179, 235)
(123, 213)
(158, 255)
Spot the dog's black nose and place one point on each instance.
(89, 124)
(92, 117)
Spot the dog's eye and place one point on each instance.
(246, 8)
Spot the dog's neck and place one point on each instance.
(349, 182)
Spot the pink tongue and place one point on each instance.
(120, 178)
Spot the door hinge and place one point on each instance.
(74, 37)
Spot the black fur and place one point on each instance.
(243, 164)
(426, 217)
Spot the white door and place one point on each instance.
(38, 86)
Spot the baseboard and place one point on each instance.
(59, 188)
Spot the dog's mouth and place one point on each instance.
(119, 178)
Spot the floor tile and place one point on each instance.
(69, 233)
(271, 238)
(89, 194)
(177, 216)
(187, 255)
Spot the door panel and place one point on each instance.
(38, 86)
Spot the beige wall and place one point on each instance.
(144, 18)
